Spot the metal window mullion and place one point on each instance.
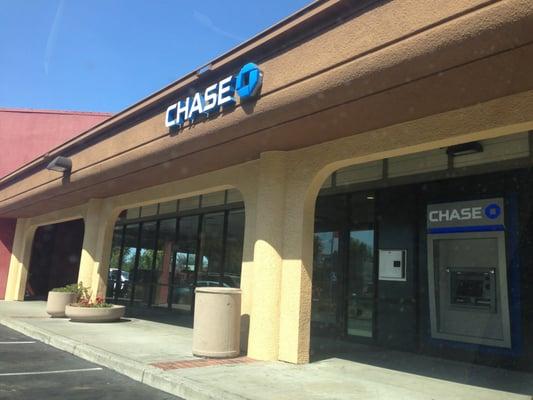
(154, 258)
(173, 268)
(344, 236)
(136, 263)
(186, 213)
(120, 256)
(224, 244)
(198, 258)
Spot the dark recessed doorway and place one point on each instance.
(55, 257)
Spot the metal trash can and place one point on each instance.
(217, 322)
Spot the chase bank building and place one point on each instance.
(361, 170)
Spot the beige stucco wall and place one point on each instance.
(279, 192)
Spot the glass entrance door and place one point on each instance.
(343, 283)
(326, 308)
(184, 268)
(360, 284)
(343, 275)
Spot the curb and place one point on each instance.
(146, 374)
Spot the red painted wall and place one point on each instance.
(7, 233)
(28, 134)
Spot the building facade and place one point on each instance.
(370, 181)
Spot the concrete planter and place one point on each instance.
(57, 302)
(95, 314)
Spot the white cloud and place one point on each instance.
(207, 22)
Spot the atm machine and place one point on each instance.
(468, 272)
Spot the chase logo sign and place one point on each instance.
(493, 211)
(246, 84)
(477, 213)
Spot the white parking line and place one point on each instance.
(63, 371)
(26, 342)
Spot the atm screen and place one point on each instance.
(470, 288)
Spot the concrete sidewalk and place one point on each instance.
(159, 355)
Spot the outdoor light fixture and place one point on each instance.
(60, 164)
(204, 69)
(464, 149)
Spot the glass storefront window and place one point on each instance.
(211, 249)
(185, 263)
(361, 283)
(143, 272)
(233, 196)
(114, 281)
(361, 208)
(166, 239)
(326, 271)
(190, 203)
(149, 210)
(162, 261)
(127, 265)
(141, 293)
(331, 211)
(133, 213)
(213, 199)
(146, 253)
(168, 208)
(233, 252)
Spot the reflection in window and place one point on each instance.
(361, 283)
(325, 280)
(114, 283)
(127, 265)
(143, 272)
(211, 249)
(185, 263)
(161, 262)
(233, 253)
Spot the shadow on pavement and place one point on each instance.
(449, 370)
(164, 316)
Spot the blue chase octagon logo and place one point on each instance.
(493, 211)
(249, 81)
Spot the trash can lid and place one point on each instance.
(216, 289)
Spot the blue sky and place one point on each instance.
(104, 55)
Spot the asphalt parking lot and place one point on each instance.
(32, 370)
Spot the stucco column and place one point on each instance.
(267, 259)
(8, 226)
(297, 274)
(20, 260)
(304, 179)
(249, 192)
(99, 222)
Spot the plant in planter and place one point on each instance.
(59, 298)
(87, 310)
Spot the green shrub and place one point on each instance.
(72, 288)
(77, 288)
(83, 296)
